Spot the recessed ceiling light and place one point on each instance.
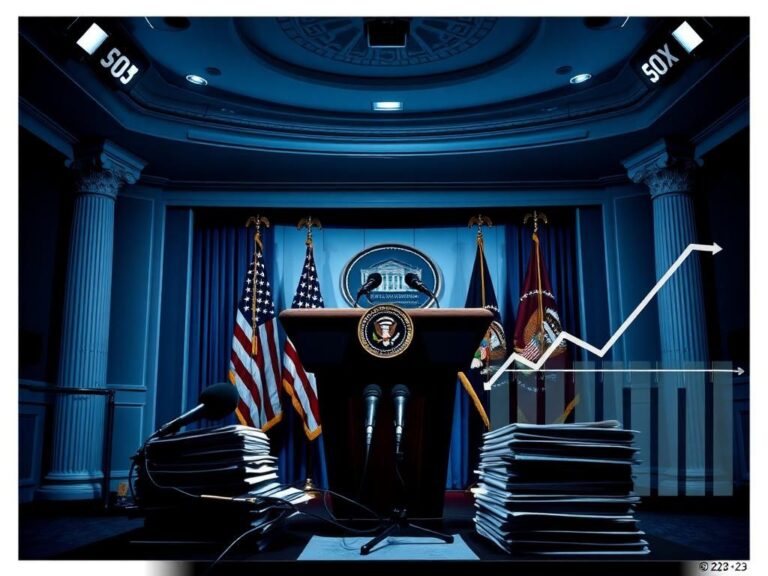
(387, 106)
(197, 80)
(579, 78)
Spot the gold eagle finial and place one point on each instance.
(536, 216)
(309, 223)
(480, 221)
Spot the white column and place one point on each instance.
(668, 171)
(78, 420)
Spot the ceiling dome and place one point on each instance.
(435, 45)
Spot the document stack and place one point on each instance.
(559, 489)
(213, 483)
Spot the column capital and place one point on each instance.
(666, 167)
(104, 169)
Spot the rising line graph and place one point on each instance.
(713, 248)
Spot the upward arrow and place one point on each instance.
(535, 366)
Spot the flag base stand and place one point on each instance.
(397, 523)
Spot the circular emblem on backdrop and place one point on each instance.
(385, 331)
(393, 262)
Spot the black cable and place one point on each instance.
(240, 537)
(228, 548)
(291, 507)
(363, 475)
(331, 515)
(332, 520)
(140, 454)
(130, 480)
(157, 485)
(336, 522)
(288, 507)
(360, 505)
(399, 474)
(373, 513)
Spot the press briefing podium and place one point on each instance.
(443, 343)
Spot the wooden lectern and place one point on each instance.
(443, 344)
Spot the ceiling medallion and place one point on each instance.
(343, 39)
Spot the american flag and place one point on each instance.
(301, 385)
(254, 366)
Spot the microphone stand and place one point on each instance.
(357, 300)
(370, 391)
(398, 520)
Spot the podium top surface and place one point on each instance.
(415, 313)
(327, 338)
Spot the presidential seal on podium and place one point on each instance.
(385, 331)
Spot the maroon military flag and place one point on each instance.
(537, 327)
(538, 320)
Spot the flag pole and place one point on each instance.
(535, 237)
(309, 223)
(540, 416)
(481, 221)
(257, 246)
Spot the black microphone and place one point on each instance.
(373, 281)
(371, 395)
(415, 282)
(215, 402)
(400, 394)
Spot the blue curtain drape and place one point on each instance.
(558, 248)
(220, 255)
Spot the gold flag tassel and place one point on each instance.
(475, 400)
(257, 249)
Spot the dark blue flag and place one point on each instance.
(493, 348)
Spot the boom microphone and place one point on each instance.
(215, 402)
(371, 395)
(413, 281)
(400, 394)
(372, 282)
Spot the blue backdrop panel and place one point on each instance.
(221, 248)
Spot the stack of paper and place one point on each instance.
(213, 483)
(559, 489)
